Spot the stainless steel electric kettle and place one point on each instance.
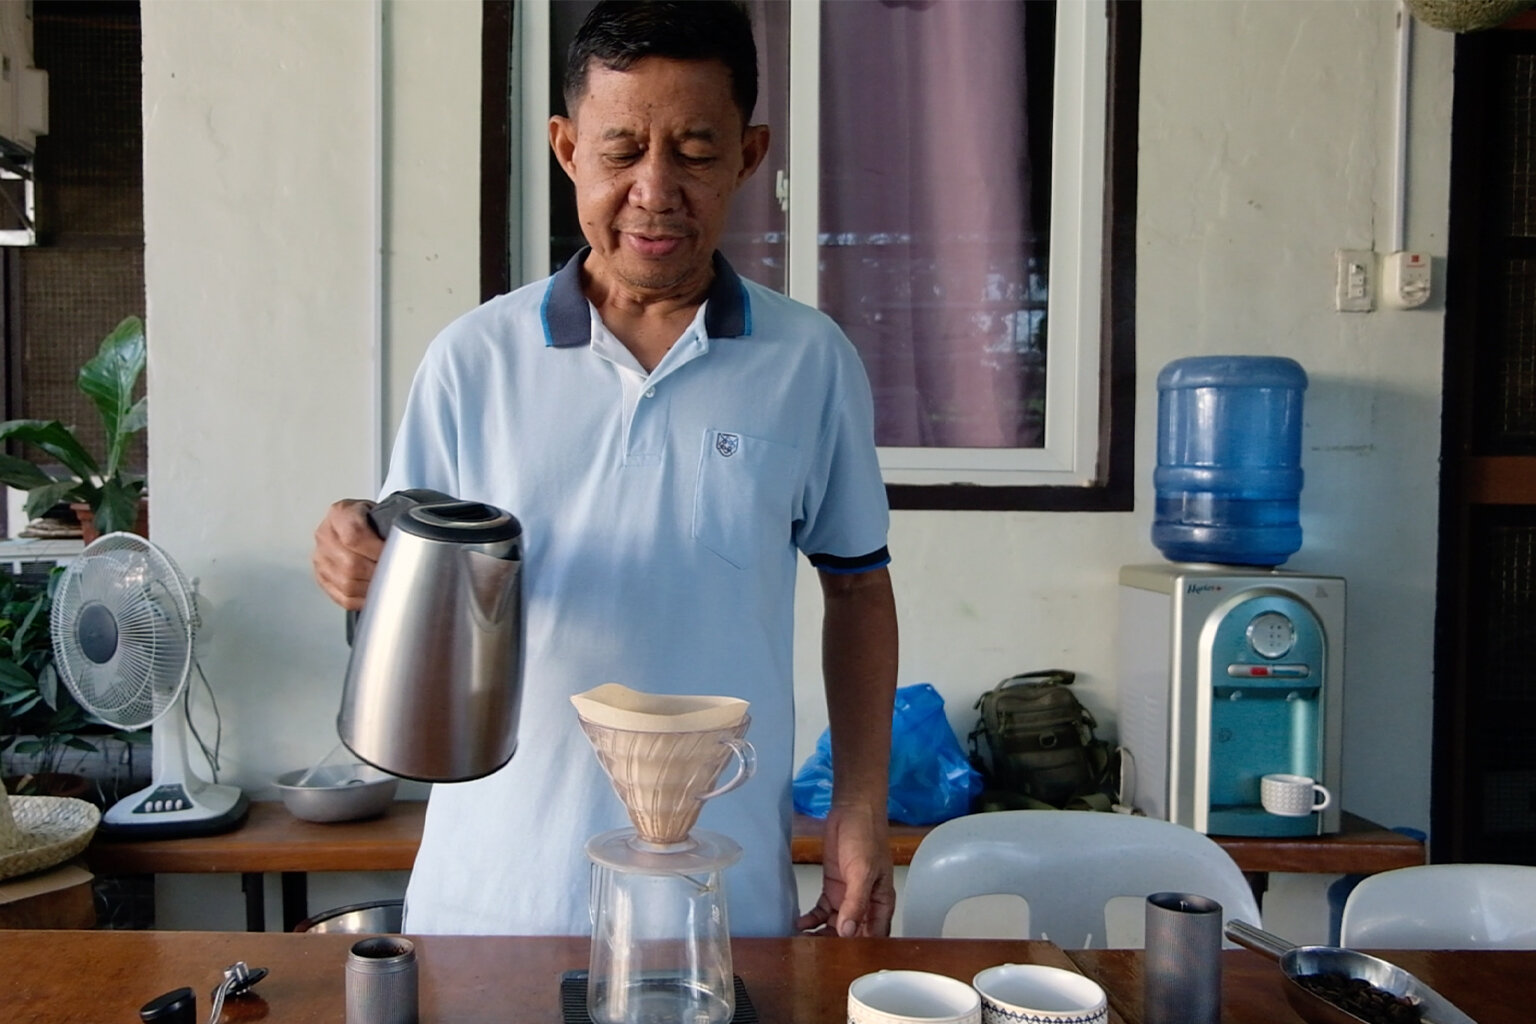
(434, 684)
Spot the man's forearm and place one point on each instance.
(859, 658)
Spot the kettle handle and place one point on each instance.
(382, 518)
(746, 765)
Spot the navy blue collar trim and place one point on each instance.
(568, 323)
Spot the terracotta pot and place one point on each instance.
(48, 784)
(88, 531)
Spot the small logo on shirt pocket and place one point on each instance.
(746, 495)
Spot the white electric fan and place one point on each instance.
(123, 625)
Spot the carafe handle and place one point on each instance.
(746, 765)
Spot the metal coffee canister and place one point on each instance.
(1182, 959)
(381, 981)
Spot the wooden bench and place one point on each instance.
(272, 840)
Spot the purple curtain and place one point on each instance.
(927, 255)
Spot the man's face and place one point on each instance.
(656, 153)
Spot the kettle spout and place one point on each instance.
(493, 584)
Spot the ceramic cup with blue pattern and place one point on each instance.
(1037, 994)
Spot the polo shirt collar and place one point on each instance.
(568, 320)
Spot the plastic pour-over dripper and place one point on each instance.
(663, 753)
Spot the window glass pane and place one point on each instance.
(754, 239)
(935, 128)
(565, 238)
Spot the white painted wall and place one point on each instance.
(278, 341)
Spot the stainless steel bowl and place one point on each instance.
(337, 792)
(378, 917)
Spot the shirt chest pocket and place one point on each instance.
(745, 499)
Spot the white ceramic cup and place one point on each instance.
(1293, 796)
(1038, 994)
(912, 997)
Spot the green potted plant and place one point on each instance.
(39, 718)
(107, 489)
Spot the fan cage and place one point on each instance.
(150, 604)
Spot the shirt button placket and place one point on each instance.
(644, 427)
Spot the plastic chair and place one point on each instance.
(1067, 866)
(1443, 906)
(377, 917)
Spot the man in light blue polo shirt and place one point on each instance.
(671, 437)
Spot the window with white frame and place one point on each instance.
(937, 184)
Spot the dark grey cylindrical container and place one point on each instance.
(1182, 959)
(381, 981)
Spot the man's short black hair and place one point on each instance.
(618, 33)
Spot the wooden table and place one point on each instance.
(272, 840)
(1492, 987)
(102, 977)
(60, 897)
(97, 977)
(1359, 847)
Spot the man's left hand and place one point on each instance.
(858, 892)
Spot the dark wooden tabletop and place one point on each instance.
(1492, 987)
(271, 839)
(97, 977)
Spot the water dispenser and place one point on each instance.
(1228, 674)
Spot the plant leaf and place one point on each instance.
(41, 499)
(54, 438)
(21, 474)
(21, 703)
(118, 507)
(137, 418)
(48, 688)
(15, 679)
(108, 379)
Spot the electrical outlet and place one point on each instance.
(1405, 279)
(1355, 281)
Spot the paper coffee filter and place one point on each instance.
(615, 706)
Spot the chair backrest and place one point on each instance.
(1443, 906)
(1067, 866)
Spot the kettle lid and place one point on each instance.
(460, 522)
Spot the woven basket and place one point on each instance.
(1465, 15)
(37, 832)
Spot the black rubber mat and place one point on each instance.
(573, 1000)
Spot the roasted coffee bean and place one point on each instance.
(1361, 998)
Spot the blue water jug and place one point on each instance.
(1228, 478)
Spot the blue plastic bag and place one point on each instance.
(931, 778)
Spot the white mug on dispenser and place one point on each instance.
(1293, 796)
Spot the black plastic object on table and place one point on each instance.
(175, 1007)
